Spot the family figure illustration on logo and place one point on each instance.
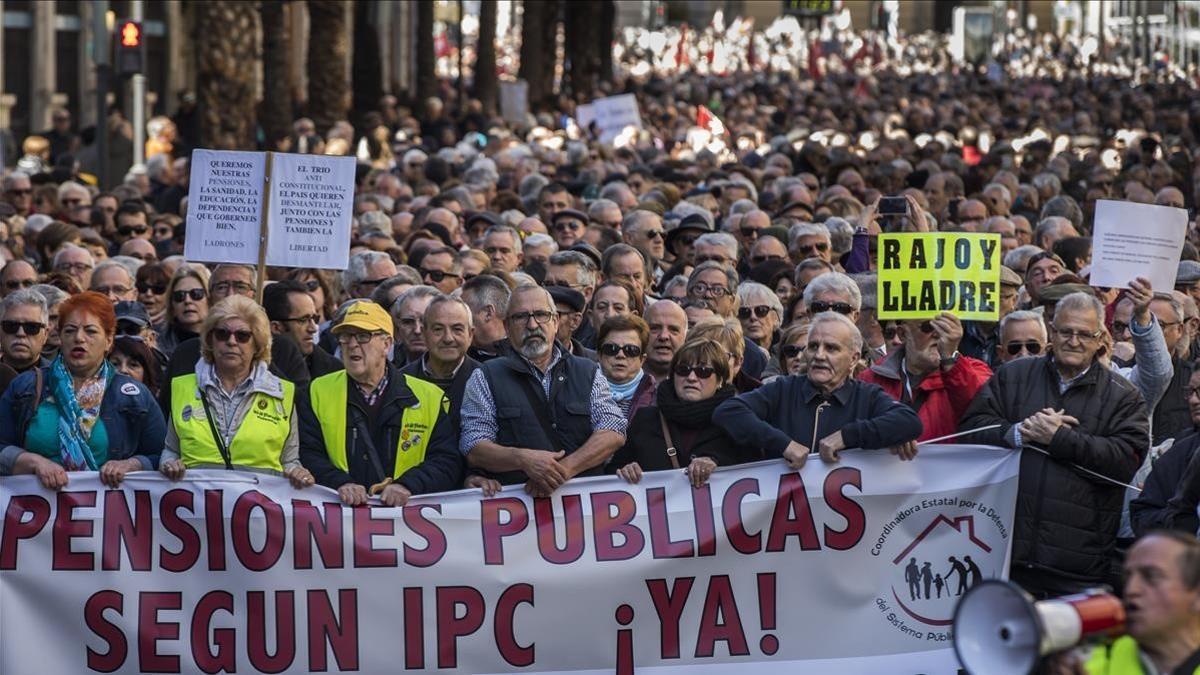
(924, 576)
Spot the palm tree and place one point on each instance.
(225, 55)
(276, 113)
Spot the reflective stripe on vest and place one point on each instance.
(259, 439)
(328, 395)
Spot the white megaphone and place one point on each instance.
(1000, 630)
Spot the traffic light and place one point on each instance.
(131, 48)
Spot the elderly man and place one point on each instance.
(1004, 227)
(576, 271)
(929, 375)
(371, 430)
(668, 329)
(970, 215)
(442, 269)
(537, 249)
(24, 328)
(293, 316)
(824, 411)
(141, 249)
(1042, 269)
(643, 230)
(681, 239)
(1051, 229)
(833, 292)
(448, 331)
(567, 227)
(409, 313)
(571, 306)
(487, 296)
(502, 245)
(749, 229)
(1022, 334)
(366, 271)
(718, 247)
(112, 279)
(18, 192)
(1066, 410)
(980, 338)
(605, 213)
(1187, 278)
(538, 435)
(16, 275)
(227, 280)
(809, 240)
(554, 198)
(622, 262)
(75, 262)
(716, 284)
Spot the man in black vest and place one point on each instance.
(538, 415)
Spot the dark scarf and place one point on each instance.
(690, 414)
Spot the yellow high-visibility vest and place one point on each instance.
(258, 442)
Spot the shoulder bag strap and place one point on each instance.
(672, 454)
(216, 436)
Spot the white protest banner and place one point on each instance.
(224, 206)
(847, 568)
(612, 114)
(514, 101)
(1136, 240)
(311, 206)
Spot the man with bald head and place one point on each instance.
(970, 215)
(16, 275)
(446, 218)
(1006, 229)
(1169, 196)
(668, 330)
(1051, 229)
(750, 228)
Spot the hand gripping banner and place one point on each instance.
(847, 568)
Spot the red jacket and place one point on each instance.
(945, 395)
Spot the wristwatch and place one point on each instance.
(949, 361)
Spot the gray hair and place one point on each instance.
(71, 247)
(485, 290)
(414, 293)
(130, 263)
(677, 280)
(157, 165)
(868, 288)
(72, 186)
(731, 276)
(1047, 180)
(533, 288)
(1064, 206)
(537, 240)
(1017, 259)
(443, 299)
(742, 206)
(26, 296)
(856, 338)
(841, 234)
(585, 267)
(1024, 315)
(504, 229)
(834, 282)
(1081, 302)
(685, 209)
(634, 219)
(1170, 299)
(113, 263)
(12, 178)
(532, 184)
(723, 239)
(614, 190)
(600, 204)
(359, 264)
(374, 221)
(1049, 225)
(806, 230)
(751, 290)
(1003, 190)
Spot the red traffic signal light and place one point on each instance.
(131, 34)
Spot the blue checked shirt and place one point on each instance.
(479, 408)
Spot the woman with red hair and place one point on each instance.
(79, 413)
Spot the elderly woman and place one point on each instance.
(187, 305)
(760, 312)
(621, 349)
(151, 282)
(233, 413)
(79, 414)
(728, 333)
(677, 431)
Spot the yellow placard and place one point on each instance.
(924, 274)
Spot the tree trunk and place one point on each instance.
(368, 63)
(328, 52)
(426, 77)
(539, 33)
(604, 39)
(588, 46)
(485, 59)
(225, 55)
(276, 113)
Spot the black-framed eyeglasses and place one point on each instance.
(1016, 346)
(521, 318)
(361, 338)
(819, 306)
(196, 294)
(760, 311)
(1069, 335)
(232, 286)
(703, 290)
(310, 318)
(612, 349)
(30, 328)
(437, 276)
(372, 282)
(702, 372)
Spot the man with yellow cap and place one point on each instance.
(370, 429)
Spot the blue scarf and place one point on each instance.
(75, 423)
(624, 392)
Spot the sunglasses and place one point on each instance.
(126, 231)
(926, 327)
(654, 234)
(749, 232)
(29, 327)
(822, 247)
(128, 329)
(21, 191)
(760, 259)
(196, 294)
(156, 289)
(223, 335)
(612, 349)
(888, 331)
(839, 307)
(19, 283)
(761, 311)
(1031, 346)
(702, 372)
(436, 276)
(564, 225)
(792, 351)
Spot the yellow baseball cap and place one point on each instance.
(367, 316)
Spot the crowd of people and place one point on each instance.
(524, 304)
